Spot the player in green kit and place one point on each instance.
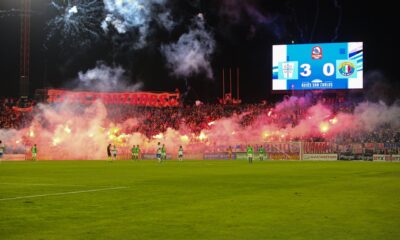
(136, 152)
(250, 152)
(34, 152)
(163, 152)
(261, 152)
(133, 149)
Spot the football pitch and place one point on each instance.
(199, 200)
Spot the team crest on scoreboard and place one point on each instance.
(346, 69)
(316, 52)
(288, 70)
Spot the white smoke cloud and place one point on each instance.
(106, 78)
(372, 115)
(192, 53)
(125, 15)
(165, 20)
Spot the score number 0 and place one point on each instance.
(328, 69)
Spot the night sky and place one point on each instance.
(244, 32)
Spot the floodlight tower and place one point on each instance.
(25, 47)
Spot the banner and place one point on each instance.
(369, 145)
(396, 158)
(189, 156)
(391, 145)
(256, 156)
(152, 156)
(357, 148)
(325, 157)
(134, 98)
(380, 145)
(381, 157)
(287, 147)
(350, 156)
(282, 156)
(241, 155)
(14, 157)
(222, 155)
(192, 156)
(318, 147)
(18, 109)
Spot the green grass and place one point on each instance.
(200, 200)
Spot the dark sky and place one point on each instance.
(244, 42)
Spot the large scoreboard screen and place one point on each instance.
(317, 66)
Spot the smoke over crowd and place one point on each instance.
(188, 44)
(73, 131)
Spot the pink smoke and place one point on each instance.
(68, 131)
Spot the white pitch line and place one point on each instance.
(52, 184)
(62, 193)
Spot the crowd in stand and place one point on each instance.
(195, 118)
(11, 117)
(198, 117)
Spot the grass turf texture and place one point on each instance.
(200, 200)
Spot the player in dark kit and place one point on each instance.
(138, 152)
(229, 152)
(158, 155)
(109, 152)
(180, 153)
(261, 153)
(2, 148)
(163, 152)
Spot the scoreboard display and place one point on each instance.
(317, 66)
